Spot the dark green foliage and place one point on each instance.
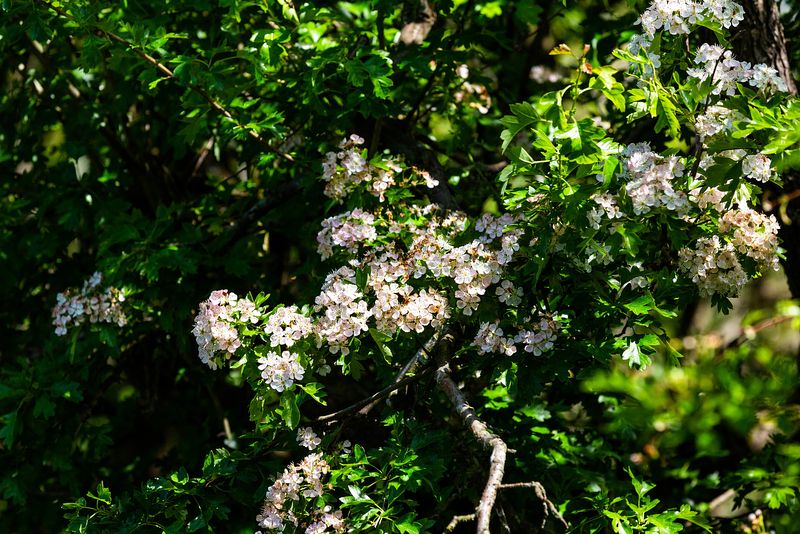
(176, 146)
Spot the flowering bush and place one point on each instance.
(471, 280)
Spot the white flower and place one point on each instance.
(73, 308)
(307, 438)
(650, 179)
(280, 371)
(286, 326)
(506, 292)
(215, 324)
(713, 266)
(632, 354)
(758, 167)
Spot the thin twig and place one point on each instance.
(329, 418)
(451, 526)
(409, 367)
(549, 508)
(748, 332)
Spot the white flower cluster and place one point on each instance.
(474, 266)
(345, 169)
(678, 16)
(397, 305)
(509, 294)
(475, 95)
(73, 308)
(286, 326)
(491, 338)
(716, 119)
(300, 481)
(345, 312)
(537, 338)
(306, 437)
(606, 205)
(215, 324)
(724, 71)
(347, 231)
(708, 197)
(650, 178)
(540, 337)
(282, 370)
(758, 167)
(754, 235)
(713, 266)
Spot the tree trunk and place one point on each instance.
(761, 39)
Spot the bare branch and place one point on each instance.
(451, 526)
(329, 418)
(409, 367)
(486, 438)
(748, 332)
(549, 508)
(489, 440)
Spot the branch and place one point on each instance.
(331, 417)
(486, 438)
(451, 526)
(748, 332)
(167, 73)
(412, 365)
(489, 440)
(549, 508)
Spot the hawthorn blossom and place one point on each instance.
(649, 179)
(713, 265)
(758, 167)
(537, 337)
(489, 338)
(754, 235)
(766, 78)
(506, 292)
(540, 336)
(678, 16)
(717, 119)
(606, 205)
(282, 370)
(286, 326)
(300, 483)
(708, 197)
(73, 308)
(347, 230)
(344, 311)
(344, 169)
(306, 437)
(347, 169)
(724, 71)
(215, 324)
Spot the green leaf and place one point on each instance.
(9, 428)
(197, 523)
(289, 410)
(44, 408)
(103, 494)
(642, 305)
(315, 390)
(380, 340)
